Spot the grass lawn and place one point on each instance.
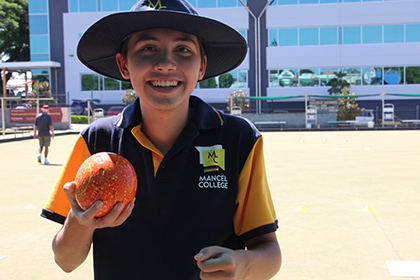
(320, 183)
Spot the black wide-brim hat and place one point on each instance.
(224, 47)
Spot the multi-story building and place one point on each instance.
(295, 48)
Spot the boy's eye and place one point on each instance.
(148, 49)
(183, 50)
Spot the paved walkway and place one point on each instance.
(74, 129)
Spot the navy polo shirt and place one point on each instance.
(209, 189)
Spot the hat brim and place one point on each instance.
(224, 47)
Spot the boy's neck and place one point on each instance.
(164, 128)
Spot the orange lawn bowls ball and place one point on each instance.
(107, 177)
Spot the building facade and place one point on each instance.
(295, 48)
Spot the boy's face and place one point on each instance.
(163, 65)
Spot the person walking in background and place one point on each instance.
(42, 128)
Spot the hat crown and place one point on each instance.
(181, 6)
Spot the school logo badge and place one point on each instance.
(212, 158)
(156, 6)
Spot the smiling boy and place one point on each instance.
(203, 207)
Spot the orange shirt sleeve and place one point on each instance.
(57, 202)
(255, 207)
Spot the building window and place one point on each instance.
(41, 75)
(39, 44)
(111, 84)
(308, 1)
(206, 3)
(396, 75)
(215, 3)
(227, 3)
(394, 33)
(125, 5)
(309, 77)
(90, 82)
(232, 79)
(308, 36)
(326, 76)
(353, 76)
(288, 37)
(372, 76)
(38, 7)
(329, 35)
(372, 34)
(413, 33)
(88, 6)
(351, 35)
(95, 82)
(272, 38)
(393, 75)
(287, 2)
(413, 75)
(38, 24)
(109, 5)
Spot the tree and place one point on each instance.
(41, 90)
(338, 84)
(129, 96)
(238, 100)
(348, 109)
(226, 80)
(14, 32)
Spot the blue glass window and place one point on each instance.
(272, 38)
(309, 77)
(243, 33)
(308, 1)
(412, 33)
(73, 6)
(125, 5)
(88, 6)
(326, 75)
(206, 3)
(40, 57)
(37, 7)
(372, 34)
(109, 5)
(351, 34)
(308, 36)
(329, 35)
(372, 76)
(394, 33)
(227, 3)
(193, 3)
(346, 1)
(287, 2)
(288, 37)
(353, 76)
(38, 24)
(393, 75)
(328, 1)
(39, 44)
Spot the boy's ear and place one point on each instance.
(122, 66)
(202, 68)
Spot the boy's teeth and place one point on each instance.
(165, 83)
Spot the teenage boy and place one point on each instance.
(203, 207)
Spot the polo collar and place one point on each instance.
(204, 116)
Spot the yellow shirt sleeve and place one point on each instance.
(255, 207)
(57, 202)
